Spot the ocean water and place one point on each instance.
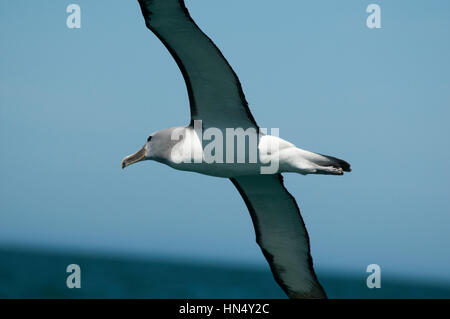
(42, 274)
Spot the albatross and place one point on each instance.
(217, 103)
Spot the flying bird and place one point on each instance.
(217, 103)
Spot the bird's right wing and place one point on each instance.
(215, 93)
(281, 234)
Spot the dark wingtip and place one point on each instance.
(345, 166)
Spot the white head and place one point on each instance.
(157, 148)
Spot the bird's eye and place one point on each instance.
(149, 138)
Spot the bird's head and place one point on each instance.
(141, 155)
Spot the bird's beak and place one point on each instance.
(134, 158)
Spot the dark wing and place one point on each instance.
(281, 234)
(215, 93)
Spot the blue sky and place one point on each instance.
(74, 102)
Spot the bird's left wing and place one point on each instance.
(281, 234)
(215, 93)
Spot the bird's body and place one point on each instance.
(223, 140)
(184, 148)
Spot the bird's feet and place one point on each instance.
(330, 170)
